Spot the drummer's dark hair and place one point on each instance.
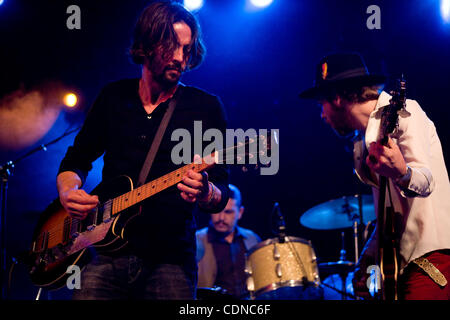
(235, 194)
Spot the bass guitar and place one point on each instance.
(387, 239)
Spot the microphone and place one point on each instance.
(281, 226)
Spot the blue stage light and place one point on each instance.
(193, 5)
(1, 2)
(445, 10)
(261, 3)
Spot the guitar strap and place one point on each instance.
(158, 137)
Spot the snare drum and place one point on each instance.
(283, 270)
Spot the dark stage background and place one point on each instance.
(257, 62)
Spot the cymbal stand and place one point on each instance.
(343, 274)
(343, 293)
(355, 228)
(355, 225)
(355, 237)
(354, 217)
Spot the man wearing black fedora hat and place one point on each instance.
(418, 189)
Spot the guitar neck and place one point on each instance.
(155, 186)
(151, 188)
(384, 140)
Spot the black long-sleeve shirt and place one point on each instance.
(118, 126)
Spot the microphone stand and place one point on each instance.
(343, 274)
(281, 225)
(5, 173)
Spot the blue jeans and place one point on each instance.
(127, 277)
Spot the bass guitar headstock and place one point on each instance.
(397, 105)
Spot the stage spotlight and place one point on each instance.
(1, 2)
(193, 5)
(445, 10)
(70, 100)
(261, 3)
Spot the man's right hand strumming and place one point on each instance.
(76, 201)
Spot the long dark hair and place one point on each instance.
(154, 29)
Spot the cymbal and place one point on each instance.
(336, 267)
(338, 213)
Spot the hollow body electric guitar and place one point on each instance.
(59, 240)
(387, 237)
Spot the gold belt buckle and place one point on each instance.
(431, 270)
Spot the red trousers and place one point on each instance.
(416, 284)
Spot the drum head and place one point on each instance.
(283, 270)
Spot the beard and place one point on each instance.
(340, 122)
(344, 132)
(221, 227)
(166, 74)
(171, 77)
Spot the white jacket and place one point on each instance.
(425, 206)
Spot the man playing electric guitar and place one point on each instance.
(418, 185)
(159, 260)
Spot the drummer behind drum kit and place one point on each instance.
(285, 267)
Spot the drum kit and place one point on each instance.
(286, 268)
(345, 212)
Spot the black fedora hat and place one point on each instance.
(340, 69)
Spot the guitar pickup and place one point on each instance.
(90, 222)
(105, 212)
(75, 228)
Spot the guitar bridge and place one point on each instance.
(91, 220)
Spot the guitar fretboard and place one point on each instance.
(155, 186)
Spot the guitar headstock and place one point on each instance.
(251, 150)
(249, 153)
(391, 112)
(399, 95)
